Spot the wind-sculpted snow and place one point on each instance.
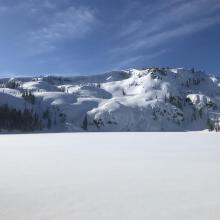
(89, 91)
(151, 99)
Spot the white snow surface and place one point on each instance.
(110, 176)
(39, 86)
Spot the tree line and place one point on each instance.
(12, 119)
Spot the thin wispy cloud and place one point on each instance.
(71, 23)
(89, 36)
(51, 23)
(3, 9)
(180, 18)
(129, 62)
(158, 38)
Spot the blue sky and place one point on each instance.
(93, 36)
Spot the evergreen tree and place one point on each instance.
(13, 119)
(29, 97)
(49, 124)
(85, 123)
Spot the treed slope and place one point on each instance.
(151, 99)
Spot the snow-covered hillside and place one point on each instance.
(151, 99)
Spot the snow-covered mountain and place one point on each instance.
(151, 99)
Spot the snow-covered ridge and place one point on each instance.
(151, 99)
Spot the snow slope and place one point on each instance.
(12, 98)
(112, 176)
(151, 99)
(39, 86)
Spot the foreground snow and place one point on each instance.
(110, 176)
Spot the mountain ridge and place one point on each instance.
(151, 99)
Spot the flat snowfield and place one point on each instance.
(110, 176)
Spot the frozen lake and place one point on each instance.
(110, 176)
